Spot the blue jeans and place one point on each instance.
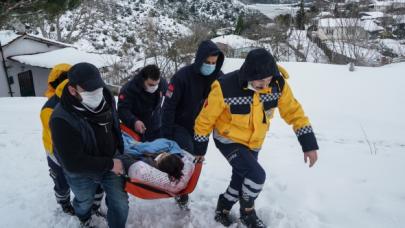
(84, 188)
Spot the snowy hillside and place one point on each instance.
(351, 186)
(120, 26)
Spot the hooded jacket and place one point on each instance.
(134, 103)
(54, 79)
(239, 115)
(187, 91)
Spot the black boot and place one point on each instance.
(250, 219)
(87, 223)
(182, 202)
(222, 212)
(96, 210)
(68, 208)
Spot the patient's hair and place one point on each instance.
(172, 165)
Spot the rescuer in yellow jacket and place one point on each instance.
(57, 75)
(57, 80)
(238, 112)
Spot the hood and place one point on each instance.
(55, 73)
(259, 64)
(61, 87)
(206, 49)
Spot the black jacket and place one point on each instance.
(187, 91)
(134, 103)
(75, 139)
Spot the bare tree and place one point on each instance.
(8, 7)
(349, 38)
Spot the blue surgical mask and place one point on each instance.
(207, 69)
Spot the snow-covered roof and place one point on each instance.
(46, 40)
(7, 36)
(235, 41)
(338, 22)
(371, 26)
(399, 19)
(372, 15)
(67, 55)
(325, 14)
(368, 25)
(383, 3)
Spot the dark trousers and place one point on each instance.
(186, 142)
(151, 135)
(62, 189)
(184, 139)
(247, 175)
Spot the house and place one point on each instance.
(26, 60)
(373, 15)
(235, 46)
(346, 28)
(387, 5)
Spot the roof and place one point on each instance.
(325, 14)
(368, 25)
(371, 15)
(399, 19)
(387, 3)
(8, 36)
(235, 41)
(338, 22)
(67, 55)
(371, 26)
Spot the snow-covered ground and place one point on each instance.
(351, 186)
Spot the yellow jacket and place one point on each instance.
(52, 101)
(242, 116)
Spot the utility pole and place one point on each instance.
(5, 70)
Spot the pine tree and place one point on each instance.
(240, 25)
(300, 17)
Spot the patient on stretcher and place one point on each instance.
(161, 164)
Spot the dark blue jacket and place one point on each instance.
(134, 103)
(187, 91)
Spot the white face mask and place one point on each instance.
(92, 99)
(151, 89)
(250, 86)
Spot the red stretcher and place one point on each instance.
(144, 191)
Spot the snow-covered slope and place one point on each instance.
(120, 26)
(351, 186)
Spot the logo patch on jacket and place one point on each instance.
(121, 97)
(170, 90)
(206, 103)
(270, 113)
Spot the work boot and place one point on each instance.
(182, 202)
(222, 212)
(68, 208)
(250, 219)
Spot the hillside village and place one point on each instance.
(166, 33)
